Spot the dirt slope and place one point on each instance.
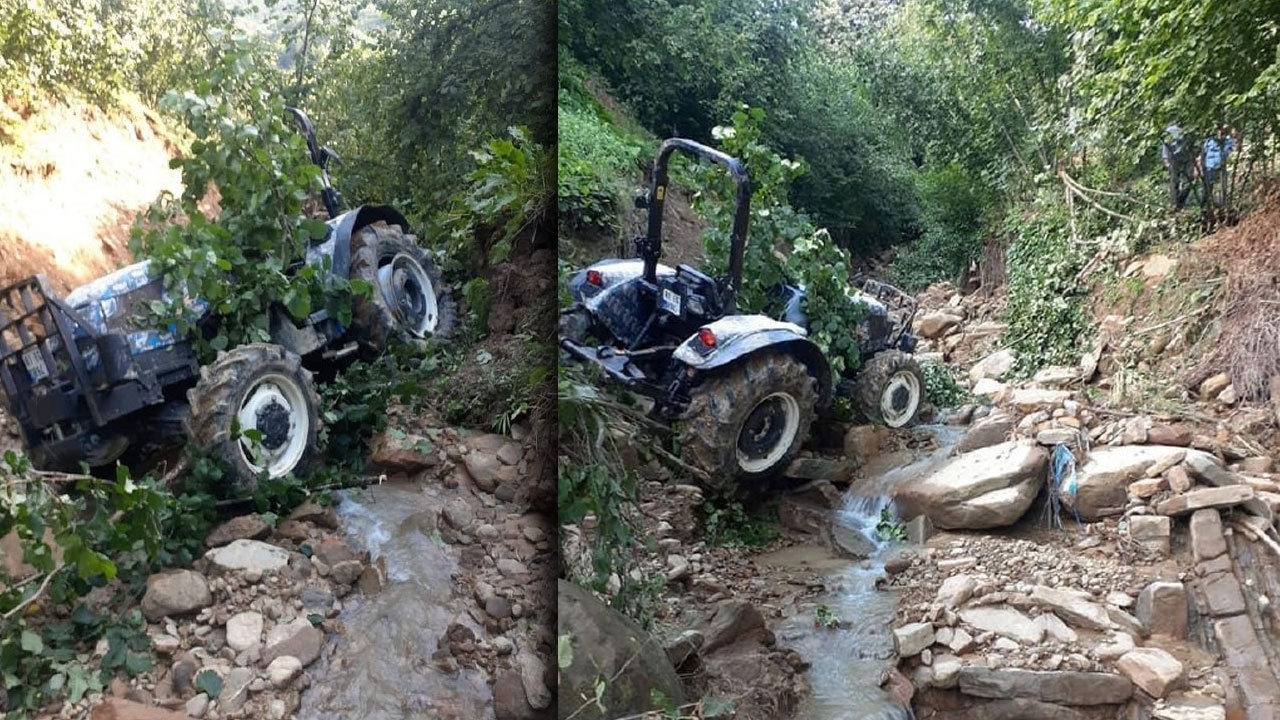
(72, 177)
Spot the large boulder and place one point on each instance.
(607, 645)
(987, 488)
(991, 430)
(1102, 481)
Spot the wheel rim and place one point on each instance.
(276, 408)
(768, 433)
(409, 293)
(900, 398)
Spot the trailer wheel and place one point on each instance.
(256, 409)
(889, 389)
(409, 300)
(747, 422)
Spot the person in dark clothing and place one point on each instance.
(1178, 161)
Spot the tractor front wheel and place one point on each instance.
(255, 408)
(409, 300)
(889, 389)
(747, 422)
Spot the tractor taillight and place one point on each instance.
(594, 278)
(707, 337)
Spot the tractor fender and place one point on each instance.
(337, 244)
(739, 336)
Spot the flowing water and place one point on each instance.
(381, 667)
(848, 663)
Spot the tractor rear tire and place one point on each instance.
(747, 422)
(262, 388)
(889, 389)
(409, 301)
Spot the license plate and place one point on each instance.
(671, 301)
(35, 365)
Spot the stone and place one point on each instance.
(248, 555)
(1174, 435)
(1059, 687)
(346, 572)
(1213, 385)
(1190, 709)
(1209, 469)
(729, 622)
(1117, 646)
(864, 441)
(1209, 497)
(1004, 621)
(1146, 488)
(1178, 478)
(986, 387)
(395, 451)
(198, 705)
(1102, 481)
(245, 527)
(1169, 461)
(283, 670)
(533, 673)
(1163, 609)
(484, 469)
(235, 689)
(1150, 527)
(316, 514)
(991, 430)
(993, 366)
(961, 641)
(956, 590)
(912, 638)
(1229, 396)
(116, 708)
(1152, 670)
(332, 551)
(509, 699)
(1222, 595)
(510, 453)
(1055, 629)
(1207, 539)
(604, 643)
(919, 529)
(936, 324)
(684, 646)
(1259, 465)
(177, 592)
(986, 488)
(458, 514)
(244, 630)
(298, 638)
(1056, 376)
(946, 671)
(1074, 608)
(1031, 399)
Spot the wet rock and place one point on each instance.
(604, 643)
(244, 630)
(1074, 608)
(115, 708)
(458, 514)
(729, 622)
(175, 593)
(863, 441)
(1004, 621)
(1162, 609)
(994, 429)
(987, 488)
(248, 555)
(346, 572)
(394, 451)
(316, 514)
(297, 638)
(245, 527)
(1102, 481)
(993, 366)
(1061, 687)
(919, 529)
(283, 670)
(1207, 539)
(1153, 670)
(912, 638)
(1212, 497)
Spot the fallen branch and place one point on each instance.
(44, 585)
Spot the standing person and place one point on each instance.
(1175, 152)
(1214, 158)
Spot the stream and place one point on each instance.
(848, 663)
(381, 667)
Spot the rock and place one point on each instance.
(1151, 530)
(1124, 620)
(1056, 376)
(244, 630)
(1176, 435)
(1146, 488)
(115, 708)
(198, 705)
(533, 674)
(1259, 465)
(956, 590)
(510, 453)
(1153, 670)
(1210, 497)
(986, 387)
(1004, 621)
(934, 325)
(484, 469)
(510, 702)
(912, 638)
(1178, 478)
(1214, 385)
(684, 646)
(864, 441)
(1273, 386)
(1207, 468)
(332, 551)
(1074, 608)
(946, 671)
(283, 670)
(1059, 687)
(993, 366)
(235, 689)
(961, 641)
(1229, 396)
(316, 514)
(987, 488)
(1166, 463)
(1117, 646)
(1190, 709)
(1222, 595)
(1102, 481)
(991, 430)
(1207, 539)
(1058, 435)
(395, 451)
(176, 592)
(919, 529)
(604, 643)
(245, 527)
(1056, 629)
(458, 514)
(297, 638)
(498, 607)
(248, 555)
(1163, 609)
(729, 622)
(1031, 399)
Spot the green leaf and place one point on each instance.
(32, 642)
(209, 682)
(564, 652)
